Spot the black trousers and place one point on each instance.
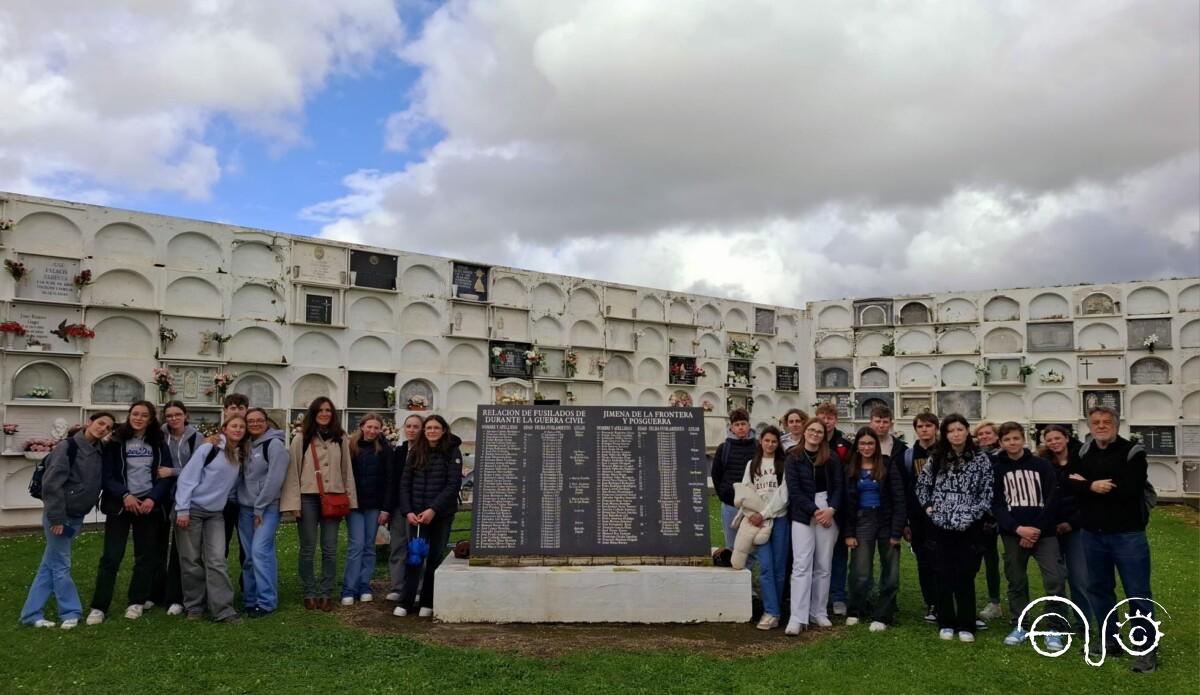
(924, 555)
(956, 557)
(438, 534)
(147, 532)
(165, 588)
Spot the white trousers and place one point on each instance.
(812, 560)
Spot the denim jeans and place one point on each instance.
(1128, 554)
(361, 526)
(54, 577)
(260, 572)
(727, 514)
(773, 565)
(1071, 547)
(310, 523)
(872, 536)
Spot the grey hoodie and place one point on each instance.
(70, 492)
(205, 487)
(262, 478)
(182, 449)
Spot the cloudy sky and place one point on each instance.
(777, 151)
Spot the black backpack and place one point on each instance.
(35, 481)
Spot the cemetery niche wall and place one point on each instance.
(103, 297)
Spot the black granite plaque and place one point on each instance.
(507, 360)
(377, 270)
(318, 309)
(1158, 440)
(470, 282)
(1101, 399)
(590, 481)
(787, 378)
(366, 389)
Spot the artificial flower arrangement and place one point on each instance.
(67, 331)
(164, 379)
(40, 445)
(707, 405)
(167, 335)
(11, 428)
(16, 269)
(389, 392)
(570, 363)
(221, 383)
(1050, 376)
(82, 279)
(12, 327)
(40, 392)
(743, 348)
(417, 402)
(535, 360)
(1150, 341)
(680, 399)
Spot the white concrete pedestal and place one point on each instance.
(603, 594)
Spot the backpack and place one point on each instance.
(212, 454)
(35, 481)
(1149, 494)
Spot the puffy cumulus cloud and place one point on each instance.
(787, 151)
(122, 93)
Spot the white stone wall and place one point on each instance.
(964, 351)
(151, 272)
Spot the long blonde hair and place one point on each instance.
(358, 434)
(237, 455)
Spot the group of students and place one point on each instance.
(832, 504)
(182, 495)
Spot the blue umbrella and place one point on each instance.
(418, 550)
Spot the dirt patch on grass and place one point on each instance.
(549, 641)
(1185, 512)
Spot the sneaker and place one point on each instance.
(175, 609)
(1015, 637)
(1113, 648)
(148, 605)
(195, 615)
(399, 612)
(991, 611)
(134, 612)
(980, 625)
(347, 600)
(1054, 643)
(965, 636)
(366, 598)
(95, 617)
(839, 607)
(820, 621)
(70, 624)
(1146, 663)
(43, 623)
(794, 628)
(851, 621)
(877, 626)
(946, 634)
(768, 622)
(393, 596)
(426, 613)
(234, 619)
(930, 615)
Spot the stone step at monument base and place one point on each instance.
(590, 594)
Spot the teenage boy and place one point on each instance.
(828, 415)
(729, 466)
(1024, 503)
(917, 531)
(1109, 483)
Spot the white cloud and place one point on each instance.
(788, 151)
(122, 93)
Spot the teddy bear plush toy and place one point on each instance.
(748, 501)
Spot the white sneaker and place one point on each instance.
(175, 609)
(991, 611)
(946, 634)
(794, 628)
(426, 613)
(399, 612)
(134, 612)
(70, 624)
(366, 598)
(95, 617)
(877, 626)
(148, 605)
(820, 621)
(852, 620)
(393, 596)
(347, 600)
(43, 623)
(839, 607)
(768, 622)
(965, 636)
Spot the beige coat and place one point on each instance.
(337, 473)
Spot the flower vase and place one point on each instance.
(7, 341)
(1151, 348)
(163, 392)
(220, 349)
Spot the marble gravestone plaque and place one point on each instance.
(867, 400)
(192, 382)
(833, 374)
(319, 263)
(914, 404)
(49, 278)
(1150, 370)
(1141, 329)
(1051, 337)
(764, 321)
(1157, 440)
(1003, 371)
(1190, 444)
(1101, 399)
(787, 378)
(969, 404)
(590, 481)
(40, 319)
(1101, 369)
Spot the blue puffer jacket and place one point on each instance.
(371, 473)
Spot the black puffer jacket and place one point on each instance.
(433, 486)
(395, 469)
(371, 474)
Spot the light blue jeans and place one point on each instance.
(727, 514)
(361, 526)
(260, 570)
(54, 577)
(773, 565)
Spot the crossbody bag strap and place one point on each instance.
(317, 467)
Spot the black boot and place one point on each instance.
(1146, 663)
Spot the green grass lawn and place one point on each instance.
(300, 651)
